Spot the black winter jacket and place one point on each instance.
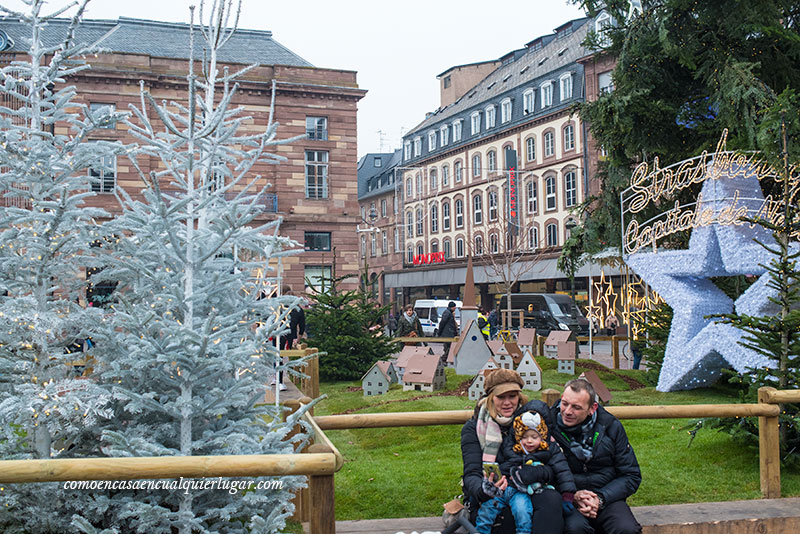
(613, 471)
(552, 457)
(472, 455)
(447, 324)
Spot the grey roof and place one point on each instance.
(158, 39)
(526, 70)
(381, 178)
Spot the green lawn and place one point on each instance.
(411, 472)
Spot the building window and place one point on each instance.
(317, 128)
(493, 244)
(533, 203)
(417, 146)
(445, 175)
(570, 189)
(383, 207)
(419, 222)
(434, 247)
(420, 250)
(546, 94)
(530, 149)
(410, 254)
(549, 144)
(419, 184)
(459, 206)
(550, 193)
(604, 83)
(372, 247)
(103, 174)
(492, 205)
(527, 101)
(395, 202)
(434, 182)
(505, 110)
(378, 162)
(446, 247)
(409, 188)
(316, 174)
(101, 112)
(396, 240)
(457, 171)
(409, 224)
(446, 82)
(443, 135)
(566, 86)
(317, 277)
(476, 165)
(445, 216)
(569, 137)
(459, 248)
(475, 122)
(434, 218)
(317, 240)
(384, 243)
(491, 161)
(602, 27)
(533, 238)
(490, 117)
(431, 141)
(363, 246)
(552, 235)
(477, 209)
(457, 131)
(478, 245)
(407, 150)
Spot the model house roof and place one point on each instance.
(514, 351)
(383, 369)
(566, 351)
(421, 369)
(526, 336)
(409, 351)
(557, 337)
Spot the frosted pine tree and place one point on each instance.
(187, 349)
(46, 409)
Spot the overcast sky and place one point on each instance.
(397, 48)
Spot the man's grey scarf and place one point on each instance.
(581, 437)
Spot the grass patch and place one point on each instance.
(412, 471)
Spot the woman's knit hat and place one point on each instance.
(529, 421)
(501, 381)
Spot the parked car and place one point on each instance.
(430, 312)
(546, 312)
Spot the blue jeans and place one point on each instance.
(521, 509)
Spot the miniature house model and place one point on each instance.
(530, 372)
(471, 350)
(401, 362)
(424, 372)
(553, 340)
(566, 357)
(377, 380)
(476, 388)
(526, 339)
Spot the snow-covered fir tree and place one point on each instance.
(46, 409)
(186, 346)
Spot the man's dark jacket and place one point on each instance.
(613, 471)
(447, 325)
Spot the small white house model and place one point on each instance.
(476, 388)
(553, 340)
(401, 362)
(424, 372)
(566, 357)
(501, 354)
(530, 372)
(526, 339)
(471, 351)
(377, 380)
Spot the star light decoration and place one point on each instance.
(699, 348)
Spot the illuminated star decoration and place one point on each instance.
(606, 300)
(699, 348)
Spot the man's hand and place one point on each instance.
(587, 503)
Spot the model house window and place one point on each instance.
(475, 122)
(527, 101)
(490, 117)
(533, 203)
(566, 86)
(317, 128)
(431, 141)
(477, 209)
(318, 277)
(316, 174)
(505, 110)
(550, 192)
(549, 144)
(492, 205)
(546, 94)
(569, 137)
(570, 189)
(533, 238)
(491, 161)
(445, 175)
(457, 171)
(478, 245)
(493, 244)
(443, 135)
(100, 112)
(417, 146)
(459, 206)
(476, 165)
(419, 222)
(407, 150)
(459, 248)
(447, 251)
(457, 131)
(383, 207)
(434, 219)
(530, 149)
(552, 235)
(317, 240)
(445, 216)
(103, 174)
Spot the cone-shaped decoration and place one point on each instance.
(469, 311)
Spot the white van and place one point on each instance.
(430, 312)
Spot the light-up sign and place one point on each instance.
(427, 259)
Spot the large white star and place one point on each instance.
(699, 348)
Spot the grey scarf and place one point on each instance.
(581, 437)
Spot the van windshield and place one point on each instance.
(562, 306)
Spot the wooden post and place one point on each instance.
(521, 319)
(769, 450)
(550, 396)
(540, 344)
(321, 492)
(615, 351)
